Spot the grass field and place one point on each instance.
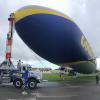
(56, 77)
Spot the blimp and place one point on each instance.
(55, 37)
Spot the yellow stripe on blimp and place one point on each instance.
(76, 63)
(81, 62)
(27, 12)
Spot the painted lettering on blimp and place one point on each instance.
(86, 46)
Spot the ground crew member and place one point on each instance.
(25, 76)
(62, 72)
(97, 78)
(19, 65)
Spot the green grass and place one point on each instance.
(51, 77)
(56, 77)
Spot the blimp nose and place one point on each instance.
(31, 10)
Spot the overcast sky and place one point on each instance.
(86, 13)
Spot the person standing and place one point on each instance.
(62, 72)
(19, 65)
(25, 76)
(97, 78)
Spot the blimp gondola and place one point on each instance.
(55, 37)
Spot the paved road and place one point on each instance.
(54, 91)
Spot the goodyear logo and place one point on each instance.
(86, 46)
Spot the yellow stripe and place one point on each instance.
(78, 62)
(27, 12)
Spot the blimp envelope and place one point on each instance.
(55, 37)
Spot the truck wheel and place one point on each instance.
(32, 84)
(18, 83)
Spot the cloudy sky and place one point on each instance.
(86, 13)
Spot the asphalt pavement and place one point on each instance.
(53, 91)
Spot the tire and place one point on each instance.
(32, 84)
(17, 83)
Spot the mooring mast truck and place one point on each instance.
(9, 74)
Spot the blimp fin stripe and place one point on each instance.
(27, 12)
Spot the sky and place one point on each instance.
(86, 13)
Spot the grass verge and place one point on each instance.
(56, 77)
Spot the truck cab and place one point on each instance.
(34, 77)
